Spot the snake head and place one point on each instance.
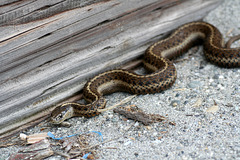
(61, 113)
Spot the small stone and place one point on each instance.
(211, 80)
(237, 108)
(155, 134)
(216, 76)
(194, 84)
(214, 84)
(23, 136)
(136, 154)
(157, 141)
(175, 103)
(136, 124)
(149, 127)
(211, 133)
(221, 77)
(160, 137)
(179, 148)
(110, 116)
(163, 131)
(127, 143)
(220, 87)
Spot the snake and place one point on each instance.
(158, 61)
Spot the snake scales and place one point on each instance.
(157, 60)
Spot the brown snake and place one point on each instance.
(157, 60)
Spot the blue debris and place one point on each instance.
(99, 133)
(53, 136)
(86, 155)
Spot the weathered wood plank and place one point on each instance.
(46, 61)
(18, 11)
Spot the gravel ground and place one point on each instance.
(204, 103)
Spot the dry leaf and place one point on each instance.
(212, 109)
(198, 103)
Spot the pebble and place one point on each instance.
(157, 141)
(216, 76)
(220, 86)
(237, 108)
(195, 84)
(23, 136)
(175, 103)
(211, 80)
(155, 134)
(136, 124)
(128, 143)
(163, 131)
(149, 127)
(221, 77)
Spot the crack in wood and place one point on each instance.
(106, 48)
(44, 7)
(43, 12)
(45, 35)
(44, 92)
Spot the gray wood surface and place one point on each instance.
(48, 49)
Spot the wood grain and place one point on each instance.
(48, 49)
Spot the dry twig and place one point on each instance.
(118, 104)
(134, 113)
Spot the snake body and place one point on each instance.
(157, 60)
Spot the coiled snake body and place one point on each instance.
(157, 60)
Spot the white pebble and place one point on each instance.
(23, 136)
(127, 143)
(221, 77)
(211, 80)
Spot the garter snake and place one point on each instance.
(157, 60)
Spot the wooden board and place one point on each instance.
(47, 57)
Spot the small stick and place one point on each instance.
(118, 104)
(137, 114)
(62, 154)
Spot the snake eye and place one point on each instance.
(60, 113)
(59, 116)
